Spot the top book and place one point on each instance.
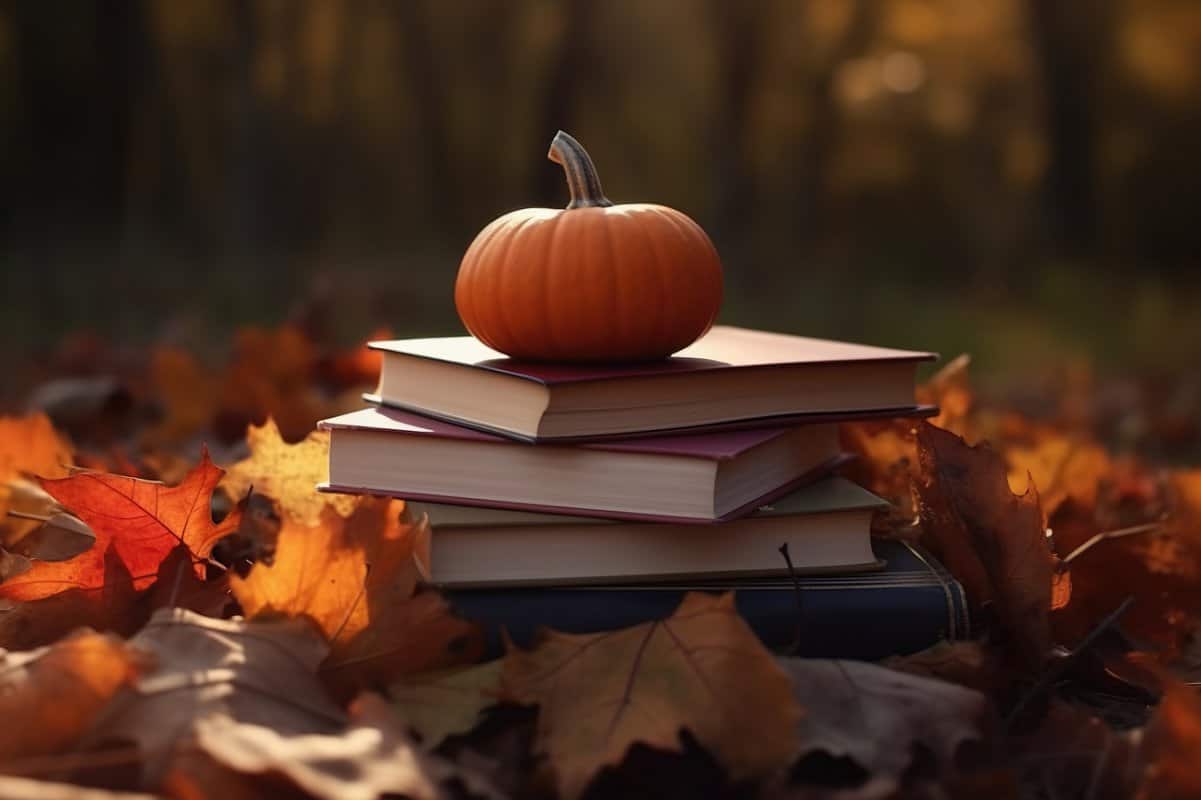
(730, 377)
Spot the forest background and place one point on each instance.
(1017, 179)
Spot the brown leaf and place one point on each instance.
(373, 757)
(288, 473)
(357, 579)
(702, 669)
(967, 663)
(261, 673)
(1170, 744)
(876, 716)
(449, 702)
(1075, 754)
(993, 541)
(1160, 568)
(62, 536)
(56, 692)
(138, 522)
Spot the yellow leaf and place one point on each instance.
(449, 702)
(288, 473)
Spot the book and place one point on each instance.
(699, 478)
(729, 377)
(825, 525)
(911, 604)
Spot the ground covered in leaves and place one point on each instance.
(183, 615)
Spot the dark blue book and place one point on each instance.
(909, 605)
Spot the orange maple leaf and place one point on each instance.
(357, 579)
(136, 522)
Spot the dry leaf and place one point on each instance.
(1073, 753)
(25, 789)
(446, 703)
(261, 673)
(950, 389)
(1061, 467)
(288, 473)
(876, 716)
(187, 393)
(967, 663)
(993, 541)
(357, 579)
(1170, 745)
(270, 376)
(56, 692)
(1160, 568)
(373, 757)
(31, 446)
(702, 669)
(137, 522)
(62, 536)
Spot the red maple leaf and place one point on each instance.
(136, 522)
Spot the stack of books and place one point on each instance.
(589, 498)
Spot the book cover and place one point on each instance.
(910, 605)
(723, 348)
(731, 378)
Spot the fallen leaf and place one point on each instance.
(702, 669)
(31, 446)
(449, 702)
(1160, 566)
(950, 389)
(112, 606)
(56, 692)
(357, 580)
(1073, 753)
(879, 717)
(60, 537)
(886, 464)
(261, 673)
(139, 522)
(27, 789)
(373, 757)
(1061, 467)
(967, 663)
(270, 375)
(1170, 744)
(187, 393)
(992, 541)
(288, 473)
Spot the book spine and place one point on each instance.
(839, 619)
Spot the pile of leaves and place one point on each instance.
(192, 630)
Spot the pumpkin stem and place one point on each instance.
(582, 180)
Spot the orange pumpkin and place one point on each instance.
(592, 282)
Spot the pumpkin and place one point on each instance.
(592, 282)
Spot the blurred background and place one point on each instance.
(1017, 179)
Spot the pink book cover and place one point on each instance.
(714, 446)
(719, 446)
(723, 347)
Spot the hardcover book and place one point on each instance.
(912, 604)
(697, 478)
(826, 527)
(729, 377)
